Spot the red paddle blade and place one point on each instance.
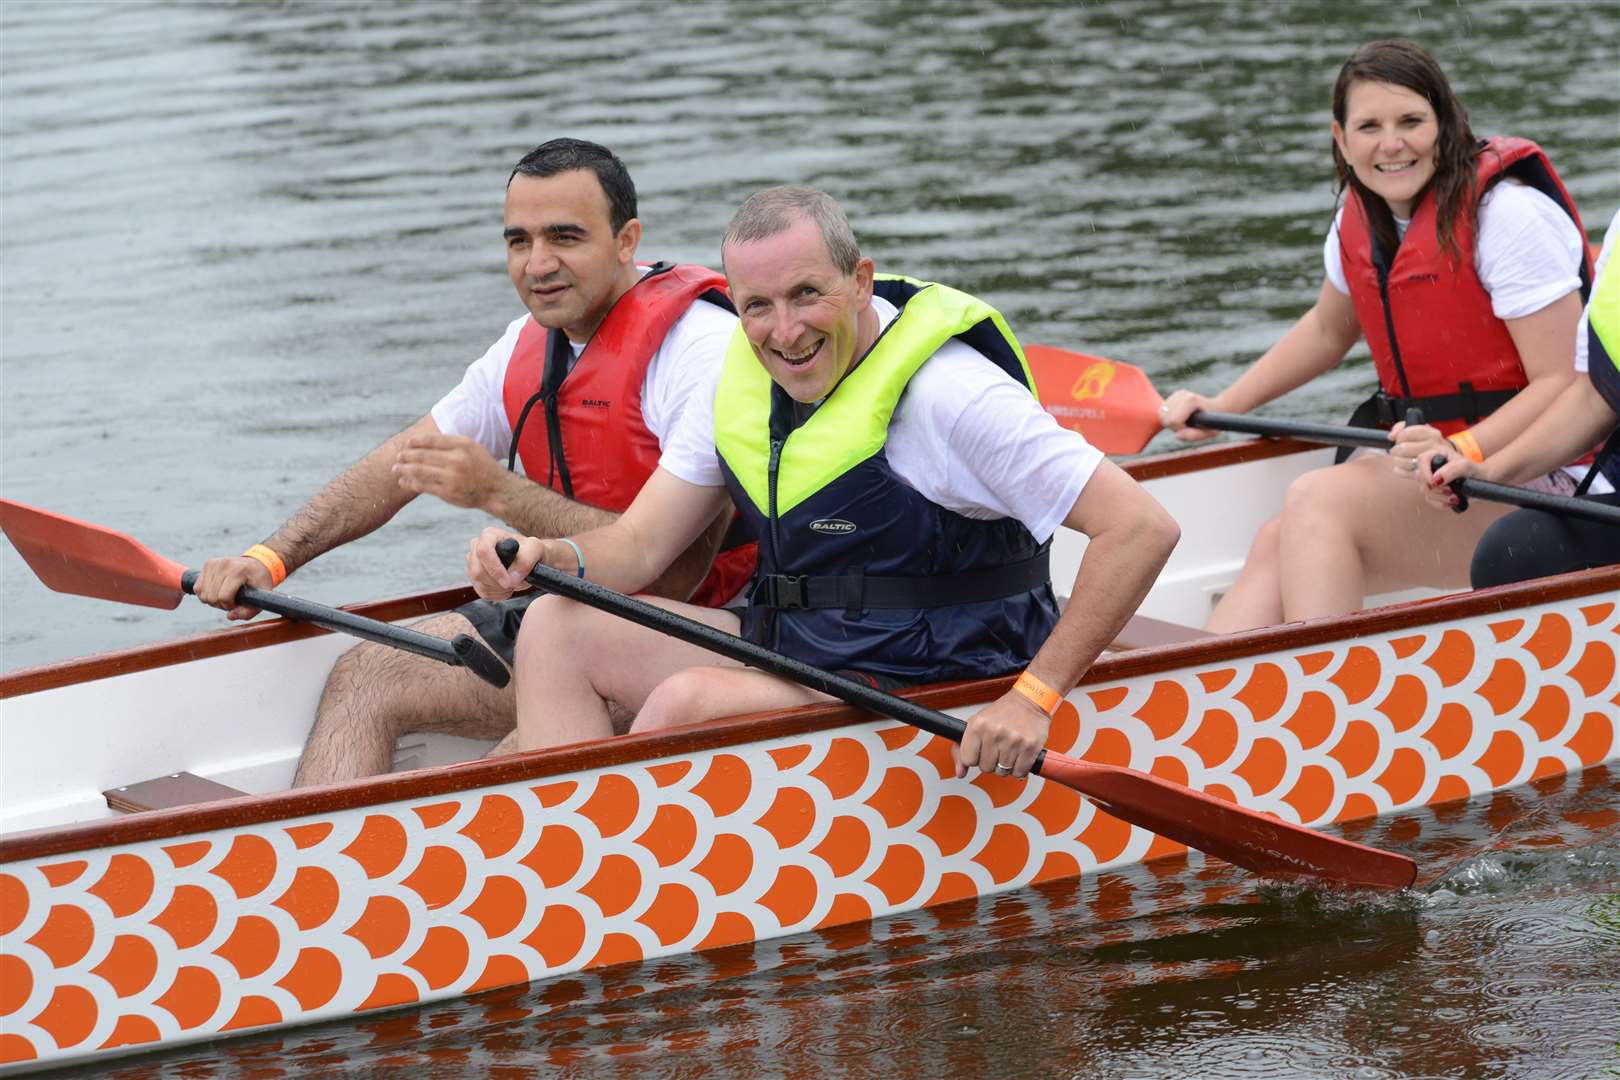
(1113, 405)
(77, 557)
(1244, 837)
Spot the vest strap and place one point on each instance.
(1605, 464)
(858, 591)
(1469, 404)
(1383, 410)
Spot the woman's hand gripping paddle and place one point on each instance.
(73, 556)
(1247, 838)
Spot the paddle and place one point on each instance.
(1241, 836)
(77, 557)
(1118, 403)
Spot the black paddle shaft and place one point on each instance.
(1530, 499)
(1334, 435)
(461, 651)
(741, 650)
(1329, 434)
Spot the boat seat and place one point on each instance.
(162, 792)
(1143, 631)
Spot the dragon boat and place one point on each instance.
(159, 884)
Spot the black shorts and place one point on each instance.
(497, 622)
(885, 683)
(1535, 543)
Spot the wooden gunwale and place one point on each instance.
(733, 731)
(216, 643)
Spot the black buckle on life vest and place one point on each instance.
(1468, 401)
(1386, 409)
(783, 591)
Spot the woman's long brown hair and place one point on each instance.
(1409, 65)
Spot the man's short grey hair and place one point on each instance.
(777, 209)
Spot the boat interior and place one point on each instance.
(219, 726)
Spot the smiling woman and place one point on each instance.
(1389, 141)
(1463, 264)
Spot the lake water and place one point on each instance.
(241, 244)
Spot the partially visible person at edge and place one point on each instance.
(883, 439)
(1464, 265)
(585, 388)
(1535, 543)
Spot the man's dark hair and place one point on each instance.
(567, 155)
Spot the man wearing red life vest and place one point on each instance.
(582, 388)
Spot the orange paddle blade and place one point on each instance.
(74, 556)
(1112, 404)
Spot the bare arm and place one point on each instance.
(361, 499)
(1131, 537)
(629, 554)
(691, 566)
(358, 501)
(535, 510)
(463, 473)
(1313, 345)
(1576, 422)
(1545, 341)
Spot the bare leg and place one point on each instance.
(575, 663)
(376, 693)
(508, 745)
(708, 693)
(1255, 599)
(1358, 528)
(622, 720)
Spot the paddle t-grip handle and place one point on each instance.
(1414, 417)
(1456, 486)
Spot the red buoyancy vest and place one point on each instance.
(606, 450)
(1444, 332)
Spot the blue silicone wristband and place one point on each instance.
(578, 554)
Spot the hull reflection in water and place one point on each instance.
(1501, 964)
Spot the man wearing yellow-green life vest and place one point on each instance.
(1535, 543)
(883, 437)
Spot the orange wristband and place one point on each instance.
(1045, 698)
(1467, 446)
(270, 561)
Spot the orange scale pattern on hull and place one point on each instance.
(406, 902)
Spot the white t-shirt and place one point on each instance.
(1597, 272)
(965, 435)
(694, 345)
(1527, 251)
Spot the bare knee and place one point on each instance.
(388, 691)
(686, 697)
(1337, 492)
(1263, 550)
(359, 684)
(550, 631)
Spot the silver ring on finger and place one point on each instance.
(1003, 770)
